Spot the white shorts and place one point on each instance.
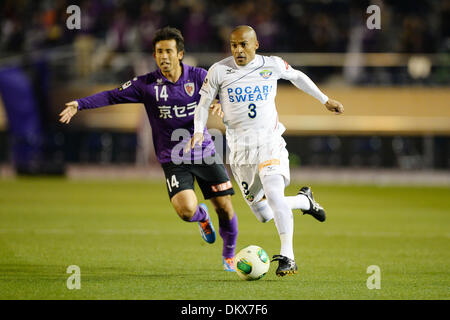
(249, 166)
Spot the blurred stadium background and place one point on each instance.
(393, 82)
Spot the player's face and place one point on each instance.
(167, 56)
(243, 46)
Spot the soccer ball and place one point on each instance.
(251, 263)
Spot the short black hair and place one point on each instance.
(169, 33)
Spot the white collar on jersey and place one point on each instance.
(249, 65)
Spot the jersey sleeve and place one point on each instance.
(210, 86)
(201, 74)
(208, 93)
(299, 79)
(129, 92)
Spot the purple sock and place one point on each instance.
(200, 215)
(228, 230)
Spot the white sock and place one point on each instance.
(262, 210)
(284, 221)
(299, 201)
(287, 247)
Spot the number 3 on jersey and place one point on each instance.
(173, 183)
(251, 110)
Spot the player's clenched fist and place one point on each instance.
(70, 110)
(196, 139)
(334, 106)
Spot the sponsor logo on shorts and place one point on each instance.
(271, 162)
(221, 187)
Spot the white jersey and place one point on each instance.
(247, 95)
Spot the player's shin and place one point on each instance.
(199, 215)
(228, 230)
(284, 221)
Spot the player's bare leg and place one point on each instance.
(228, 228)
(186, 205)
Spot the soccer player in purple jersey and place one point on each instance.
(170, 95)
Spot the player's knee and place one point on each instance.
(186, 212)
(273, 194)
(275, 198)
(262, 211)
(223, 206)
(222, 212)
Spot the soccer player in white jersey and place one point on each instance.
(246, 84)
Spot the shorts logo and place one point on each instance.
(221, 187)
(189, 88)
(272, 162)
(250, 198)
(265, 74)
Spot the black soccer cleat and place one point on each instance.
(315, 209)
(286, 266)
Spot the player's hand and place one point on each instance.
(196, 139)
(217, 108)
(70, 110)
(334, 106)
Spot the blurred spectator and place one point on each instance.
(112, 27)
(444, 30)
(301, 26)
(267, 26)
(197, 30)
(415, 36)
(149, 22)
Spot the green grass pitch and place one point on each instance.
(129, 244)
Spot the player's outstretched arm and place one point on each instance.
(334, 106)
(303, 82)
(70, 110)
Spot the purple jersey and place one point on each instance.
(169, 106)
